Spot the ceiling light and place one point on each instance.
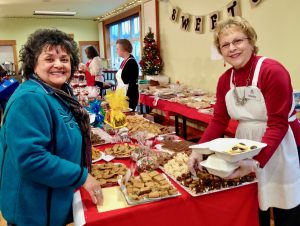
(54, 13)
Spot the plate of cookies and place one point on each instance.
(96, 155)
(123, 150)
(203, 182)
(107, 173)
(149, 186)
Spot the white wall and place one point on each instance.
(187, 55)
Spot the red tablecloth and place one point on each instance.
(184, 110)
(234, 207)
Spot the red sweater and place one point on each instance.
(275, 84)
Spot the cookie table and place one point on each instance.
(234, 207)
(184, 111)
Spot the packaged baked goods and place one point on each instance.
(118, 103)
(149, 159)
(147, 163)
(96, 139)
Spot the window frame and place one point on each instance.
(13, 44)
(136, 11)
(133, 39)
(83, 44)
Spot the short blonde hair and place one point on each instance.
(239, 22)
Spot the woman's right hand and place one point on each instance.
(194, 162)
(93, 187)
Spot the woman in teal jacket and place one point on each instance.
(45, 137)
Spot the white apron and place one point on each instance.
(279, 180)
(119, 78)
(120, 81)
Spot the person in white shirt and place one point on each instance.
(94, 67)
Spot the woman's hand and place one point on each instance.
(246, 166)
(194, 162)
(93, 187)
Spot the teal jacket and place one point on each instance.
(40, 158)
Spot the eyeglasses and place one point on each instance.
(235, 42)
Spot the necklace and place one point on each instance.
(241, 101)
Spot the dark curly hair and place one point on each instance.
(41, 38)
(91, 52)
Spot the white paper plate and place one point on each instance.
(220, 146)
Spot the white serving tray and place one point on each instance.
(146, 200)
(192, 193)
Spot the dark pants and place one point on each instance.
(282, 217)
(133, 95)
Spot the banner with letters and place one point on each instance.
(190, 22)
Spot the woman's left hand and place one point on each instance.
(194, 162)
(246, 166)
(93, 187)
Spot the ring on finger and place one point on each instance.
(97, 192)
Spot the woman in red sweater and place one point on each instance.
(257, 92)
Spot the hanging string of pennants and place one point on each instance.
(185, 19)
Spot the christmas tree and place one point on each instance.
(151, 62)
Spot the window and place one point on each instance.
(8, 56)
(129, 29)
(83, 45)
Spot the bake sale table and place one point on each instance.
(177, 109)
(234, 207)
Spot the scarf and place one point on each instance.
(65, 94)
